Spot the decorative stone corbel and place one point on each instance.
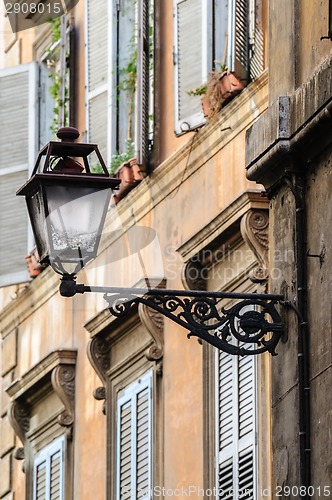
(154, 322)
(63, 382)
(19, 418)
(54, 373)
(99, 356)
(193, 275)
(255, 232)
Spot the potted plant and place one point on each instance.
(124, 166)
(221, 87)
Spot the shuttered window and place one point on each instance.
(18, 111)
(192, 59)
(245, 39)
(134, 440)
(119, 58)
(48, 482)
(236, 429)
(97, 76)
(212, 33)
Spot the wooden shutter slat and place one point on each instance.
(246, 396)
(226, 479)
(225, 400)
(192, 59)
(189, 56)
(97, 43)
(143, 420)
(246, 473)
(125, 445)
(144, 61)
(256, 41)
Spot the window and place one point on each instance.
(134, 440)
(42, 416)
(28, 109)
(48, 475)
(236, 430)
(18, 99)
(119, 57)
(208, 33)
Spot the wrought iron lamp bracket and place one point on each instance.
(250, 326)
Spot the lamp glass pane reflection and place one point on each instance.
(74, 227)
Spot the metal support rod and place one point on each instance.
(297, 188)
(250, 326)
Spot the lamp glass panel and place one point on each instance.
(37, 214)
(74, 224)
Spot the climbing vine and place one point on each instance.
(55, 88)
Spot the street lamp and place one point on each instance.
(67, 205)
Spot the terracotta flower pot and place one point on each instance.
(137, 172)
(125, 174)
(230, 86)
(205, 105)
(32, 260)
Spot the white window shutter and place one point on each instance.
(48, 479)
(245, 47)
(18, 139)
(126, 58)
(143, 84)
(192, 59)
(235, 433)
(134, 439)
(97, 73)
(46, 106)
(256, 38)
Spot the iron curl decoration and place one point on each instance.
(119, 305)
(251, 326)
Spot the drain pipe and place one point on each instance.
(296, 184)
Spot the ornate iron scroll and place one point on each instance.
(252, 326)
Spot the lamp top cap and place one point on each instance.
(68, 134)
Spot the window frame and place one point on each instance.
(31, 70)
(130, 393)
(228, 37)
(45, 455)
(140, 137)
(238, 445)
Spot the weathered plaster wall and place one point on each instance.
(319, 242)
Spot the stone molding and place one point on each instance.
(292, 131)
(106, 329)
(255, 232)
(55, 372)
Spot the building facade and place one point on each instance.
(236, 198)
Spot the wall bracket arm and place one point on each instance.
(250, 326)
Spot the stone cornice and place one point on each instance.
(293, 131)
(220, 224)
(55, 372)
(37, 373)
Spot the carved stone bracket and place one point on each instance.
(99, 355)
(154, 322)
(194, 275)
(63, 382)
(254, 230)
(19, 417)
(53, 374)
